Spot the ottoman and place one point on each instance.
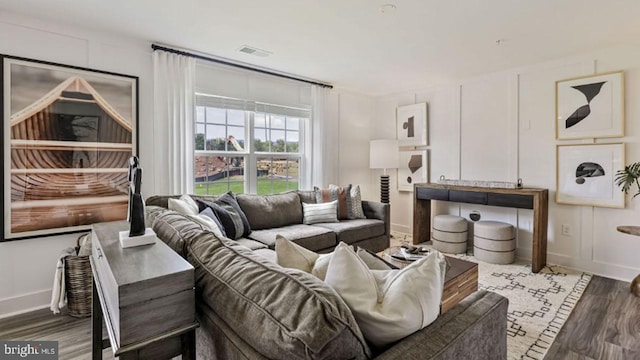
(494, 242)
(449, 234)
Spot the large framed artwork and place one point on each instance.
(585, 174)
(590, 106)
(67, 135)
(411, 125)
(412, 169)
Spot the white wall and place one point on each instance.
(500, 126)
(27, 266)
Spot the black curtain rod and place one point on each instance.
(206, 58)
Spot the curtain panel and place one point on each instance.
(173, 119)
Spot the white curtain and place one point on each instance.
(173, 118)
(323, 140)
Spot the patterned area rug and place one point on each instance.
(539, 304)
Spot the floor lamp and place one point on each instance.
(383, 154)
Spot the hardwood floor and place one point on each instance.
(605, 324)
(72, 334)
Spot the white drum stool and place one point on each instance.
(494, 242)
(449, 234)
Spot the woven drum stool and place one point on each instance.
(494, 242)
(449, 234)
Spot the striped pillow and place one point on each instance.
(320, 213)
(232, 218)
(334, 192)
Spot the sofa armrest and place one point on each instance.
(380, 211)
(476, 328)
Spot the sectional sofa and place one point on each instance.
(249, 307)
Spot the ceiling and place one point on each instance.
(351, 44)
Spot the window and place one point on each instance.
(224, 160)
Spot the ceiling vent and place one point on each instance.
(254, 51)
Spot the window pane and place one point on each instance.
(200, 113)
(260, 142)
(264, 176)
(293, 141)
(215, 115)
(260, 120)
(277, 141)
(238, 134)
(293, 123)
(216, 175)
(277, 122)
(216, 135)
(199, 137)
(235, 117)
(293, 174)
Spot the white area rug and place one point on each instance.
(539, 304)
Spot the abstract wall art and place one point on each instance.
(67, 136)
(585, 174)
(412, 169)
(590, 106)
(411, 125)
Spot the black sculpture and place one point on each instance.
(136, 205)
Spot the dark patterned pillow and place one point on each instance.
(208, 212)
(227, 210)
(342, 194)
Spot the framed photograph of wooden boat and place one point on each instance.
(67, 135)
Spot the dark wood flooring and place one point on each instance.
(605, 324)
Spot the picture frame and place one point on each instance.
(67, 135)
(412, 168)
(590, 106)
(585, 174)
(411, 125)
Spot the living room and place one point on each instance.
(489, 90)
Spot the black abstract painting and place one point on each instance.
(589, 91)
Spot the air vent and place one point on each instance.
(254, 51)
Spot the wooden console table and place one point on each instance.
(526, 198)
(145, 295)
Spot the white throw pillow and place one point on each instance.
(291, 255)
(388, 304)
(185, 205)
(320, 213)
(207, 223)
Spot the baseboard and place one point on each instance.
(401, 228)
(611, 271)
(25, 303)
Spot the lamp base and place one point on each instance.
(384, 189)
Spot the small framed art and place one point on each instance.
(585, 174)
(412, 169)
(590, 106)
(411, 125)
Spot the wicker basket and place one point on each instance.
(78, 283)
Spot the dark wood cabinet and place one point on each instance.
(525, 198)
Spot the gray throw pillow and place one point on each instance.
(232, 218)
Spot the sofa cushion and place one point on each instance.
(309, 236)
(251, 244)
(351, 231)
(282, 209)
(171, 227)
(237, 284)
(307, 196)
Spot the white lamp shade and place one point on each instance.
(383, 154)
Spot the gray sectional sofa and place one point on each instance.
(249, 307)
